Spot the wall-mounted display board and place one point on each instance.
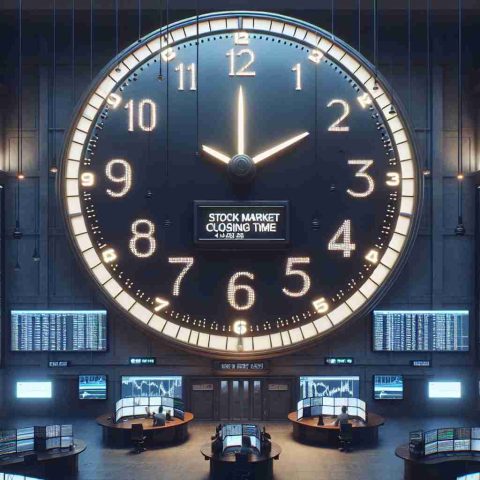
(34, 389)
(329, 386)
(92, 387)
(421, 331)
(349, 227)
(58, 330)
(388, 387)
(151, 386)
(443, 389)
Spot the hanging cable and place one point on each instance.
(167, 144)
(359, 27)
(429, 104)
(375, 42)
(139, 20)
(460, 229)
(117, 68)
(91, 40)
(17, 233)
(73, 52)
(197, 70)
(332, 10)
(53, 167)
(409, 41)
(160, 73)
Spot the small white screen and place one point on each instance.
(34, 389)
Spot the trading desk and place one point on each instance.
(53, 464)
(119, 434)
(306, 430)
(437, 467)
(222, 465)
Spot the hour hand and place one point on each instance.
(216, 154)
(278, 148)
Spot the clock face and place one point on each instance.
(244, 194)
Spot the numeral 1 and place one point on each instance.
(298, 76)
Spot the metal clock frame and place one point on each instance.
(241, 21)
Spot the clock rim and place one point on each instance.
(367, 307)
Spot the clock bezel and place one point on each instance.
(242, 18)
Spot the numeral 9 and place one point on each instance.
(125, 178)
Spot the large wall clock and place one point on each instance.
(245, 194)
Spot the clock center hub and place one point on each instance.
(241, 168)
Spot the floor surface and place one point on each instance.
(297, 461)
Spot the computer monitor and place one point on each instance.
(92, 387)
(8, 442)
(388, 387)
(417, 436)
(299, 413)
(445, 445)
(330, 386)
(25, 440)
(34, 389)
(431, 436)
(151, 386)
(444, 390)
(431, 448)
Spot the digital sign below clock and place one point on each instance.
(289, 137)
(241, 224)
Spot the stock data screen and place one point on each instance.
(58, 331)
(421, 331)
(151, 386)
(330, 386)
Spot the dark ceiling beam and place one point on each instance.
(210, 5)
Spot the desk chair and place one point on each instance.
(138, 438)
(345, 437)
(241, 470)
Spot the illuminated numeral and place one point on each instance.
(233, 290)
(240, 327)
(114, 100)
(181, 76)
(372, 256)
(290, 270)
(242, 71)
(393, 179)
(362, 174)
(87, 179)
(109, 255)
(315, 56)
(168, 54)
(342, 240)
(298, 76)
(240, 38)
(364, 100)
(161, 304)
(335, 126)
(320, 305)
(143, 229)
(150, 113)
(188, 263)
(125, 178)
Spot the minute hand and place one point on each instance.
(281, 146)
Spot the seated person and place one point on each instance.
(242, 455)
(217, 444)
(320, 420)
(343, 417)
(159, 418)
(148, 412)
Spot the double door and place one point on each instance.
(240, 399)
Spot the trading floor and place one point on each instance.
(298, 462)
